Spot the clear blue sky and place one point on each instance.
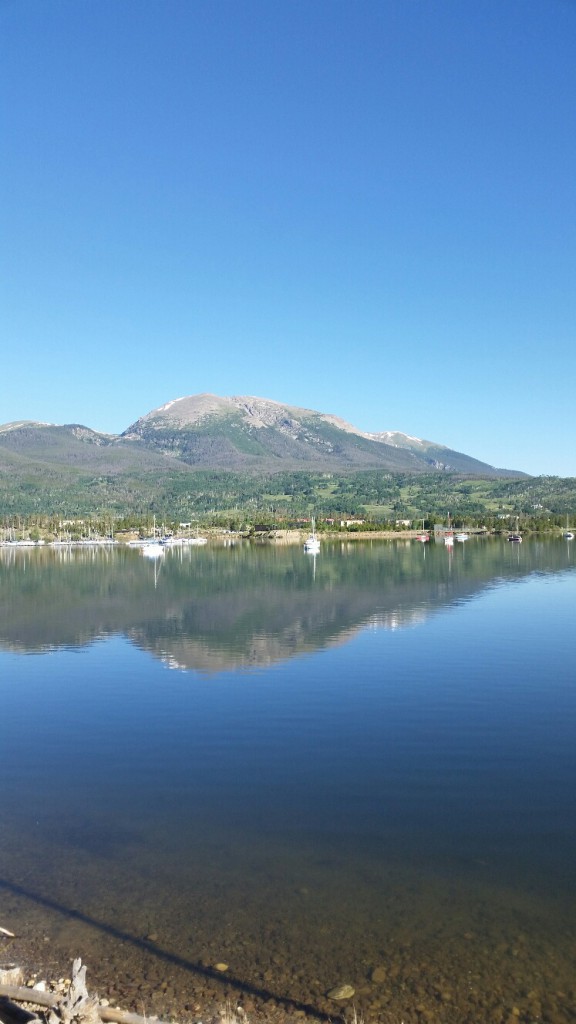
(365, 207)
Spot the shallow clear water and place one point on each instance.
(353, 768)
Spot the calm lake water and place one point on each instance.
(353, 768)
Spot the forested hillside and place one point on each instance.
(285, 497)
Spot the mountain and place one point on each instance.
(47, 446)
(246, 433)
(240, 434)
(72, 470)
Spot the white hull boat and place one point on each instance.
(312, 544)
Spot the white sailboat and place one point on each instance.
(515, 538)
(568, 534)
(153, 549)
(312, 544)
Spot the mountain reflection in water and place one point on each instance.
(370, 781)
(219, 608)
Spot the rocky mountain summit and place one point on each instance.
(246, 432)
(236, 434)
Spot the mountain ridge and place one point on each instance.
(239, 433)
(247, 432)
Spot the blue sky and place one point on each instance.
(365, 207)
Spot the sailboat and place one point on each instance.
(152, 546)
(312, 544)
(515, 538)
(449, 534)
(568, 534)
(152, 549)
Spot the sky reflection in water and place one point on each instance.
(419, 706)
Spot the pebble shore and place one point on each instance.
(404, 989)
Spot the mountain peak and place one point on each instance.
(238, 433)
(23, 425)
(245, 432)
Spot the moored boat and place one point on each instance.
(153, 549)
(515, 538)
(312, 544)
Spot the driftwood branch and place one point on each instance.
(51, 1000)
(21, 994)
(77, 1007)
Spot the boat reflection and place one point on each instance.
(216, 608)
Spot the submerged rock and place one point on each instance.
(341, 992)
(379, 974)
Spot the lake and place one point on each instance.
(357, 768)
